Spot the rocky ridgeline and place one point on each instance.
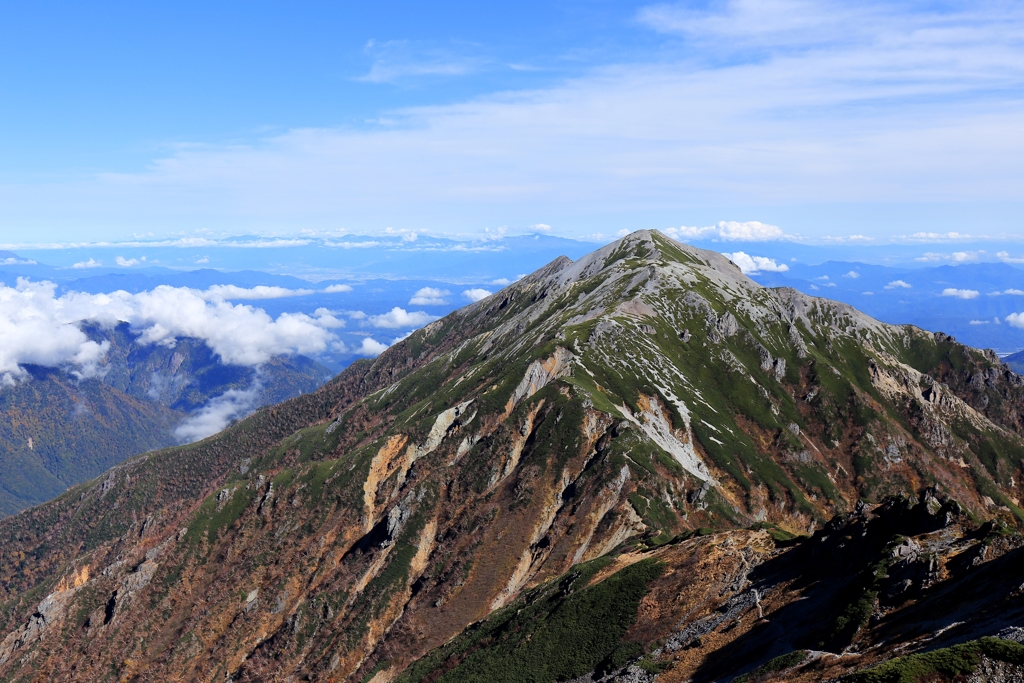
(634, 466)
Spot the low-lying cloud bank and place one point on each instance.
(218, 413)
(751, 265)
(38, 327)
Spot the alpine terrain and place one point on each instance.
(58, 429)
(637, 466)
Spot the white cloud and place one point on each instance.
(39, 327)
(429, 296)
(960, 293)
(15, 261)
(217, 414)
(502, 281)
(91, 263)
(980, 322)
(126, 262)
(257, 292)
(1015, 319)
(337, 289)
(899, 284)
(476, 294)
(396, 60)
(540, 227)
(932, 236)
(848, 238)
(371, 347)
(961, 256)
(956, 256)
(1005, 257)
(399, 317)
(770, 103)
(406, 234)
(751, 265)
(853, 275)
(822, 277)
(730, 231)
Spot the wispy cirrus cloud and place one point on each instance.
(782, 102)
(394, 60)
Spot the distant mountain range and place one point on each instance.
(1016, 361)
(57, 430)
(970, 301)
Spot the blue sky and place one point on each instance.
(829, 120)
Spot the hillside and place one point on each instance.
(1015, 361)
(57, 430)
(637, 464)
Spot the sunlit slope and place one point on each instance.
(615, 402)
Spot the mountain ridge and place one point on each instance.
(596, 411)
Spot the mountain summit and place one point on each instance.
(608, 469)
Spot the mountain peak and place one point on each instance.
(569, 439)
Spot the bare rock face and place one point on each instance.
(641, 460)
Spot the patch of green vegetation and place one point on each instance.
(998, 453)
(814, 477)
(555, 632)
(861, 597)
(654, 511)
(380, 666)
(557, 429)
(781, 537)
(925, 354)
(780, 663)
(958, 660)
(651, 665)
(207, 522)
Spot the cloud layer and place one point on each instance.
(399, 317)
(730, 231)
(39, 327)
(476, 294)
(960, 293)
(429, 296)
(746, 104)
(752, 265)
(217, 414)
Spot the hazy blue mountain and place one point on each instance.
(57, 430)
(348, 256)
(1016, 362)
